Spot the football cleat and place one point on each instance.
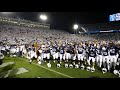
(58, 65)
(76, 66)
(71, 66)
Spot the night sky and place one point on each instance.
(91, 11)
(65, 20)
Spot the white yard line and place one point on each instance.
(52, 70)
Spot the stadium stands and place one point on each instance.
(23, 34)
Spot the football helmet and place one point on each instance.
(116, 72)
(104, 70)
(88, 68)
(92, 69)
(66, 65)
(58, 65)
(71, 66)
(82, 67)
(76, 66)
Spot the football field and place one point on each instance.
(34, 70)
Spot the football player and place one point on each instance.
(55, 52)
(65, 55)
(113, 56)
(17, 50)
(91, 55)
(40, 55)
(74, 52)
(7, 49)
(32, 55)
(118, 59)
(47, 53)
(80, 54)
(105, 56)
(71, 51)
(61, 53)
(1, 58)
(99, 55)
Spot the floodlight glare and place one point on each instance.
(75, 26)
(43, 17)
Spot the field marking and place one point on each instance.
(50, 69)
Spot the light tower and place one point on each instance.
(75, 27)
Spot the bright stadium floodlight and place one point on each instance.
(43, 17)
(75, 27)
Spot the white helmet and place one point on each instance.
(71, 66)
(82, 67)
(58, 65)
(116, 72)
(104, 70)
(39, 62)
(92, 69)
(49, 65)
(66, 65)
(88, 68)
(76, 66)
(117, 63)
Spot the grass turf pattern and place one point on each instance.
(36, 70)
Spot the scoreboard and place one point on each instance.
(114, 17)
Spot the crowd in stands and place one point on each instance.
(13, 34)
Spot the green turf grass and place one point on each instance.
(36, 71)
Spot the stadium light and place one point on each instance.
(43, 17)
(75, 27)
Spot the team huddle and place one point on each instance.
(84, 55)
